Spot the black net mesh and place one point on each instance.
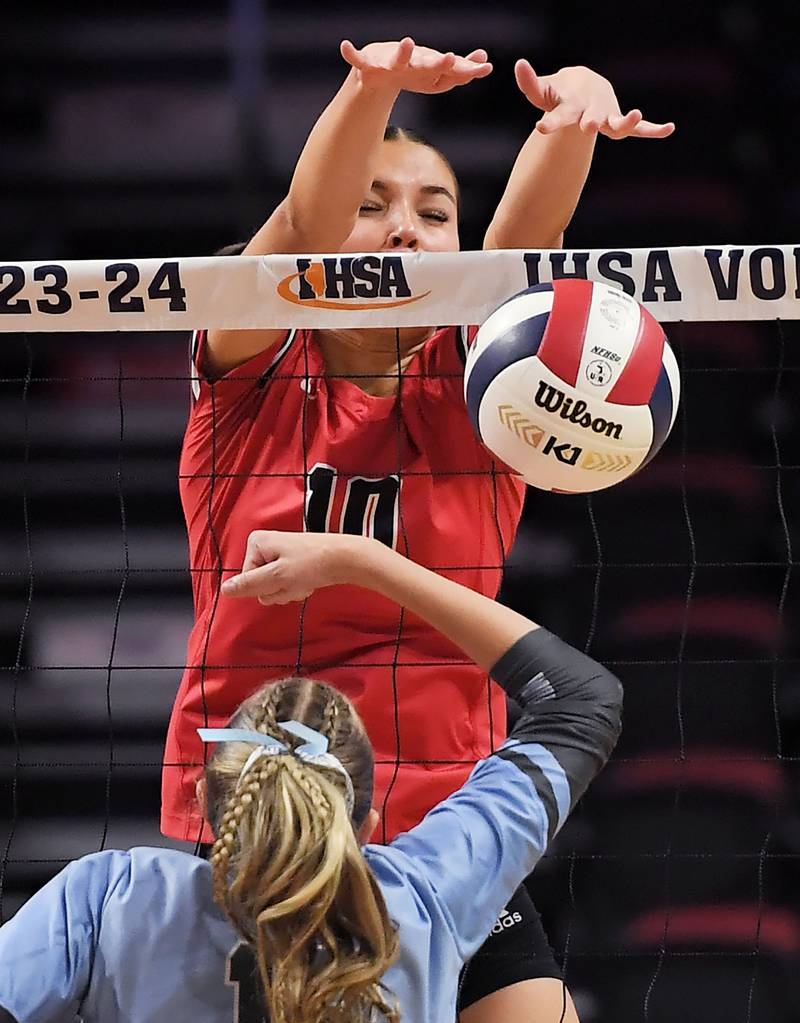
(671, 878)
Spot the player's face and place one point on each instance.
(411, 204)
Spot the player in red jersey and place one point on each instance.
(305, 450)
(366, 431)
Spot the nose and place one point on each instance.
(402, 231)
(403, 240)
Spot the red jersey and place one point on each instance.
(278, 445)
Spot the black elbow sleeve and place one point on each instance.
(570, 702)
(540, 666)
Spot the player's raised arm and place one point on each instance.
(550, 171)
(335, 169)
(284, 567)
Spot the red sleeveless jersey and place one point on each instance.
(278, 445)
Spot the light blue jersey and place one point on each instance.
(136, 937)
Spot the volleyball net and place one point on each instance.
(673, 871)
(709, 283)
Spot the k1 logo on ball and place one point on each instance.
(565, 366)
(564, 452)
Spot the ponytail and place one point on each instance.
(288, 869)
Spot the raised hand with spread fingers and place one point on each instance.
(580, 96)
(404, 65)
(551, 169)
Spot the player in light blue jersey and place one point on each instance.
(295, 919)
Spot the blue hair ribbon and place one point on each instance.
(314, 750)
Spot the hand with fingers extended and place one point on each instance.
(578, 95)
(404, 65)
(280, 568)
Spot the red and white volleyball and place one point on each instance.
(573, 385)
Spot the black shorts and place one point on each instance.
(516, 949)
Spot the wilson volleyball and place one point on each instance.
(572, 385)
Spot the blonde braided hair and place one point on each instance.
(330, 718)
(287, 866)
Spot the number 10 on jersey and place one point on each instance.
(369, 506)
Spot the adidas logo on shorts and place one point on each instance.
(505, 921)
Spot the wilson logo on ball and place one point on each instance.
(551, 399)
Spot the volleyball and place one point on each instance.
(573, 385)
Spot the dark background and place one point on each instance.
(155, 129)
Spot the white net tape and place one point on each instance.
(723, 283)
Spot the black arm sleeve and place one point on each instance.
(571, 705)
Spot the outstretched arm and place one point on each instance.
(570, 702)
(283, 567)
(334, 171)
(548, 176)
